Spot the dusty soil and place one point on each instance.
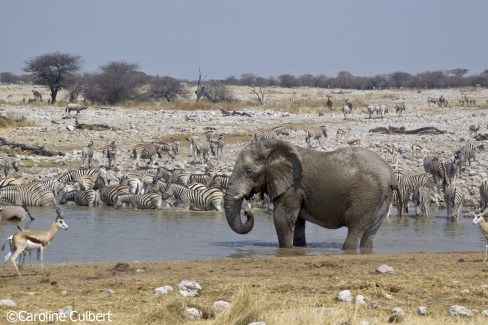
(287, 290)
(281, 290)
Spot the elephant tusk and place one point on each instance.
(239, 196)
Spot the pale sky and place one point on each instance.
(264, 37)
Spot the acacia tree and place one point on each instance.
(116, 82)
(168, 88)
(53, 70)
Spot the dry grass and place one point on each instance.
(15, 121)
(286, 290)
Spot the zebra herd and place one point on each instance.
(439, 177)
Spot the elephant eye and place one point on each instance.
(251, 173)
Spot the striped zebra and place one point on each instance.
(149, 151)
(317, 136)
(156, 186)
(483, 194)
(6, 162)
(171, 148)
(21, 195)
(109, 194)
(140, 201)
(217, 146)
(401, 197)
(454, 199)
(9, 181)
(219, 181)
(178, 176)
(463, 154)
(81, 198)
(450, 168)
(87, 154)
(73, 175)
(199, 147)
(109, 152)
(199, 178)
(90, 182)
(212, 170)
(421, 199)
(198, 198)
(346, 110)
(53, 185)
(413, 182)
(272, 134)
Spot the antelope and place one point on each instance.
(329, 102)
(416, 148)
(35, 240)
(478, 219)
(473, 130)
(341, 131)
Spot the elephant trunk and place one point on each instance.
(232, 205)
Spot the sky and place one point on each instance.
(267, 38)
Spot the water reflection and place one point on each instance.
(106, 234)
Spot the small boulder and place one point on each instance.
(220, 304)
(344, 295)
(7, 303)
(384, 269)
(398, 311)
(163, 290)
(70, 128)
(189, 288)
(194, 313)
(422, 310)
(459, 311)
(68, 310)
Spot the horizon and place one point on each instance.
(266, 39)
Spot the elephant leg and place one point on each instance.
(366, 244)
(285, 215)
(299, 234)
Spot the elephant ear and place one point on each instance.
(284, 168)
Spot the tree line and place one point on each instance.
(119, 81)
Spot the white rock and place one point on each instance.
(109, 291)
(384, 269)
(398, 311)
(189, 288)
(65, 310)
(194, 313)
(360, 300)
(257, 323)
(220, 304)
(70, 127)
(163, 290)
(422, 310)
(456, 311)
(344, 295)
(485, 313)
(7, 303)
(64, 293)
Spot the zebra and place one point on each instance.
(9, 182)
(438, 171)
(172, 176)
(217, 146)
(413, 182)
(199, 178)
(81, 198)
(199, 147)
(219, 181)
(109, 194)
(171, 148)
(135, 184)
(73, 175)
(18, 195)
(9, 161)
(454, 199)
(401, 197)
(199, 199)
(433, 100)
(156, 186)
(450, 168)
(90, 182)
(146, 151)
(109, 152)
(272, 134)
(139, 201)
(421, 198)
(53, 185)
(483, 194)
(466, 152)
(87, 153)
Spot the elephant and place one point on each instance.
(350, 187)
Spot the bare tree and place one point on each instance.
(217, 92)
(200, 88)
(53, 70)
(260, 93)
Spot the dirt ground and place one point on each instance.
(281, 290)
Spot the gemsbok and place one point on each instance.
(35, 240)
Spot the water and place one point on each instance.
(109, 235)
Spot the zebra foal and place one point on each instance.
(139, 201)
(454, 199)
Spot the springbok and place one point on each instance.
(35, 240)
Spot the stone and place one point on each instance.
(360, 300)
(459, 311)
(220, 304)
(194, 313)
(398, 311)
(484, 313)
(70, 128)
(68, 310)
(7, 303)
(384, 269)
(422, 310)
(163, 290)
(189, 288)
(344, 295)
(109, 291)
(257, 323)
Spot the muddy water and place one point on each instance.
(106, 234)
